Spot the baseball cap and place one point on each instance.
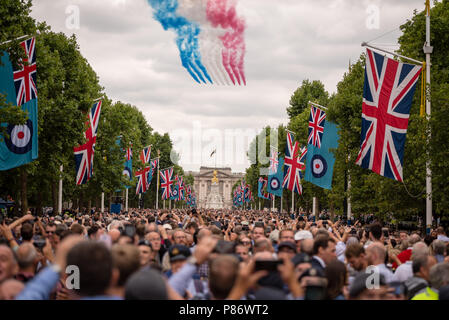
(178, 252)
(312, 272)
(301, 258)
(287, 244)
(167, 226)
(303, 234)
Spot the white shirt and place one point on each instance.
(443, 238)
(403, 272)
(383, 270)
(340, 250)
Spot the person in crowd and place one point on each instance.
(438, 277)
(323, 252)
(215, 255)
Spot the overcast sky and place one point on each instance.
(287, 41)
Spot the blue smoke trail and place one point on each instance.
(187, 36)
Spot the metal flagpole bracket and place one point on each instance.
(427, 49)
(19, 38)
(317, 105)
(364, 44)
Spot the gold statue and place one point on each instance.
(215, 179)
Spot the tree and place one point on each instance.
(15, 22)
(411, 44)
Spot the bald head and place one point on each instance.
(306, 246)
(114, 234)
(203, 233)
(419, 249)
(414, 238)
(376, 254)
(8, 264)
(26, 256)
(263, 244)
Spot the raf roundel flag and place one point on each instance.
(19, 88)
(275, 180)
(320, 161)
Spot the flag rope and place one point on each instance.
(417, 196)
(422, 109)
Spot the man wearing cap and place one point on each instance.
(178, 257)
(302, 262)
(286, 250)
(300, 237)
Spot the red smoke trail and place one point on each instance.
(233, 41)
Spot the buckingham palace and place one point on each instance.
(203, 183)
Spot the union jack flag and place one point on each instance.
(84, 154)
(180, 189)
(387, 97)
(154, 164)
(293, 165)
(166, 183)
(25, 75)
(263, 183)
(317, 120)
(273, 161)
(188, 190)
(248, 196)
(143, 182)
(145, 155)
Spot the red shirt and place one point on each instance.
(404, 256)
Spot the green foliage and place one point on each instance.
(309, 91)
(15, 22)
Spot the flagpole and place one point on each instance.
(157, 184)
(126, 199)
(61, 168)
(314, 207)
(19, 38)
(281, 203)
(317, 105)
(102, 202)
(428, 49)
(293, 201)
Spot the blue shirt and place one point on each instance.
(44, 282)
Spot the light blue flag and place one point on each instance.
(175, 193)
(320, 161)
(275, 180)
(21, 147)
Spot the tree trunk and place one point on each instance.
(23, 190)
(332, 211)
(54, 194)
(89, 205)
(39, 204)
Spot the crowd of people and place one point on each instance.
(178, 254)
